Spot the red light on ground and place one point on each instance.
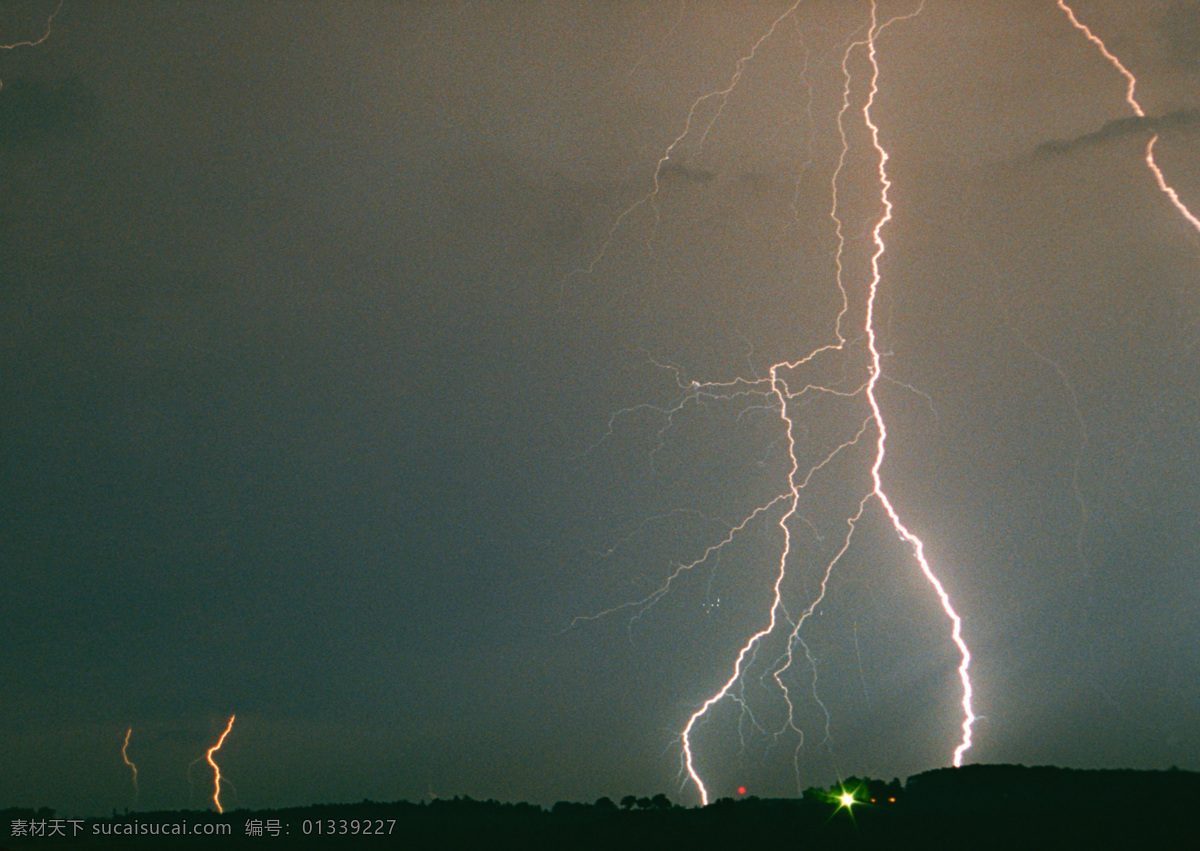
(741, 790)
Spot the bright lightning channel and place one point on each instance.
(877, 491)
(34, 42)
(216, 798)
(127, 761)
(1131, 99)
(775, 390)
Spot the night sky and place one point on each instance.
(339, 341)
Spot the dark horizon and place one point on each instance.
(983, 806)
(964, 783)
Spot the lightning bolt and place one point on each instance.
(132, 767)
(1077, 463)
(783, 390)
(1131, 99)
(216, 768)
(876, 371)
(35, 41)
(721, 98)
(876, 420)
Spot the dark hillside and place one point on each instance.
(980, 806)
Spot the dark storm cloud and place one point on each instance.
(30, 110)
(1120, 127)
(686, 173)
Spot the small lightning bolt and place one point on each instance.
(721, 98)
(132, 767)
(1077, 463)
(1131, 99)
(34, 42)
(216, 768)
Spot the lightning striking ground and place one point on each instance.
(1135, 105)
(128, 762)
(876, 371)
(216, 798)
(783, 390)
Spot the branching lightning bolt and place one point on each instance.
(216, 798)
(34, 42)
(132, 767)
(1131, 99)
(721, 96)
(782, 390)
(876, 419)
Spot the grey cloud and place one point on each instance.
(1121, 127)
(685, 173)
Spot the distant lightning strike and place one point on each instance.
(216, 798)
(779, 391)
(1077, 463)
(1131, 99)
(34, 42)
(132, 767)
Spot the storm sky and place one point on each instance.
(337, 342)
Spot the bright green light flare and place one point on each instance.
(846, 799)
